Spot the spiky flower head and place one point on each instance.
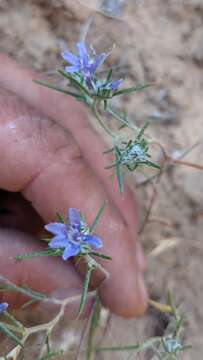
(172, 346)
(134, 153)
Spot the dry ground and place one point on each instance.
(158, 41)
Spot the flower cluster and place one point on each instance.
(132, 153)
(86, 66)
(96, 92)
(172, 346)
(3, 307)
(74, 237)
(100, 85)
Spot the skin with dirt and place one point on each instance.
(163, 43)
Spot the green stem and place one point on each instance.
(94, 322)
(117, 115)
(15, 329)
(95, 264)
(98, 117)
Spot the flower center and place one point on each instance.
(76, 236)
(133, 154)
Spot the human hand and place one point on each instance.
(50, 154)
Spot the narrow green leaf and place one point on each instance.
(9, 333)
(111, 166)
(49, 252)
(94, 322)
(122, 126)
(26, 291)
(108, 151)
(109, 76)
(129, 143)
(139, 347)
(119, 176)
(118, 152)
(171, 303)
(61, 218)
(86, 282)
(47, 341)
(107, 94)
(13, 321)
(150, 163)
(117, 114)
(28, 303)
(64, 91)
(77, 84)
(129, 90)
(179, 325)
(34, 294)
(51, 355)
(143, 130)
(97, 218)
(103, 256)
(118, 348)
(47, 239)
(186, 347)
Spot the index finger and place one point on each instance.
(118, 226)
(72, 116)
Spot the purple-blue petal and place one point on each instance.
(58, 243)
(56, 228)
(74, 218)
(83, 54)
(114, 85)
(71, 250)
(3, 307)
(94, 241)
(98, 62)
(72, 69)
(70, 58)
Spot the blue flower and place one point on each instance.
(108, 85)
(113, 85)
(3, 307)
(101, 85)
(83, 62)
(72, 237)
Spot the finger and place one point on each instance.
(45, 275)
(54, 185)
(68, 113)
(71, 116)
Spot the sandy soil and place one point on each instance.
(158, 41)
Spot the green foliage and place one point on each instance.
(128, 153)
(4, 328)
(86, 282)
(94, 323)
(97, 218)
(25, 290)
(167, 347)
